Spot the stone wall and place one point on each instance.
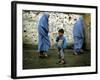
(87, 31)
(56, 21)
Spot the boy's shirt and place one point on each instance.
(61, 42)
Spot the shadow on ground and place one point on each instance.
(32, 61)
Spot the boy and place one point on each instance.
(61, 45)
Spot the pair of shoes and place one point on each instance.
(41, 55)
(44, 55)
(61, 62)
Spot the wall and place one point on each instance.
(87, 31)
(56, 21)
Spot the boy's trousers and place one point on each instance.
(61, 53)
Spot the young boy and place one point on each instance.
(61, 45)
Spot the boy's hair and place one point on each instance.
(61, 30)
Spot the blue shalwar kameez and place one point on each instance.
(78, 35)
(43, 42)
(61, 44)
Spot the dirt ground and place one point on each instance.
(32, 61)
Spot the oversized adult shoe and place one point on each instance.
(62, 62)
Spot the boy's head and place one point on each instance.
(60, 32)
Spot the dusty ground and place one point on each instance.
(32, 61)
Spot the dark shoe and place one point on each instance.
(62, 62)
(40, 55)
(58, 62)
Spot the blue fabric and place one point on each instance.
(43, 42)
(78, 34)
(78, 28)
(64, 42)
(78, 43)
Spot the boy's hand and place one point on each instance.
(57, 39)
